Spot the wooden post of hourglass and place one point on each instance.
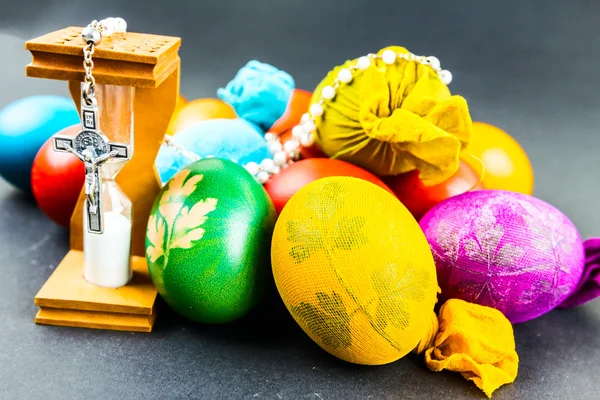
(150, 64)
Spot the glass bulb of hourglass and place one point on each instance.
(107, 255)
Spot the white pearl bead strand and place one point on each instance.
(110, 26)
(303, 135)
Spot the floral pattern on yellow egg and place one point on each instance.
(355, 270)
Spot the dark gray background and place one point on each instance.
(530, 67)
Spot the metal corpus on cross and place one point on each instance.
(94, 149)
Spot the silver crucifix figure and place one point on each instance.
(93, 148)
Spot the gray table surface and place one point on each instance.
(530, 67)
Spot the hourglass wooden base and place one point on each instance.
(151, 64)
(66, 299)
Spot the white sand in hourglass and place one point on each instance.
(107, 255)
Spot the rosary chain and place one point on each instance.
(92, 36)
(168, 140)
(90, 81)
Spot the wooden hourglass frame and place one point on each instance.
(150, 64)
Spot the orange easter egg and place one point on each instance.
(297, 105)
(507, 166)
(199, 110)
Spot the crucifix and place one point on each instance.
(94, 149)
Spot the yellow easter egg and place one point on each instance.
(355, 270)
(195, 111)
(507, 166)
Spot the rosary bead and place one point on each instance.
(291, 145)
(434, 62)
(263, 176)
(328, 92)
(307, 140)
(388, 57)
(445, 76)
(269, 136)
(108, 27)
(345, 75)
(316, 110)
(309, 126)
(363, 63)
(280, 158)
(120, 25)
(252, 168)
(274, 146)
(91, 34)
(267, 165)
(297, 131)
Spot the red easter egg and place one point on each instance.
(297, 105)
(419, 198)
(284, 185)
(57, 179)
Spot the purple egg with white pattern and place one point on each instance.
(505, 250)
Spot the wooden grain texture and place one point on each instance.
(67, 289)
(132, 59)
(95, 320)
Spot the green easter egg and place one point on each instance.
(208, 241)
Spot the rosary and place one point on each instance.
(90, 145)
(304, 134)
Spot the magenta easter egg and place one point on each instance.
(505, 250)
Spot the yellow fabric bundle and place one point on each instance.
(476, 341)
(393, 119)
(356, 272)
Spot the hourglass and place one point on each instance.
(103, 280)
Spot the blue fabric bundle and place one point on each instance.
(259, 93)
(232, 139)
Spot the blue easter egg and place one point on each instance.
(232, 139)
(25, 125)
